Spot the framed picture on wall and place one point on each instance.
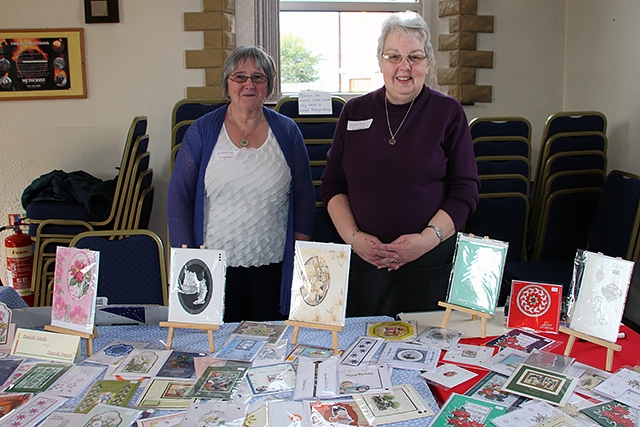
(42, 64)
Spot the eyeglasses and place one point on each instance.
(241, 78)
(396, 58)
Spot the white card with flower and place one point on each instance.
(197, 280)
(75, 285)
(319, 286)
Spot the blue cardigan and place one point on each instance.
(185, 210)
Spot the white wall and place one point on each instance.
(136, 67)
(603, 72)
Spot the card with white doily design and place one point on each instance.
(535, 306)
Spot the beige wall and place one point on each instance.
(136, 67)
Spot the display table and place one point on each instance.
(197, 341)
(584, 352)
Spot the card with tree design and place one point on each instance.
(476, 273)
(75, 284)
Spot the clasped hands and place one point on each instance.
(394, 255)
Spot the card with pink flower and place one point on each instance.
(75, 287)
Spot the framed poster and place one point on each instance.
(196, 286)
(476, 273)
(319, 286)
(42, 64)
(75, 284)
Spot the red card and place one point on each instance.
(535, 306)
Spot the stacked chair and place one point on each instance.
(132, 265)
(569, 178)
(613, 231)
(317, 131)
(502, 146)
(184, 113)
(55, 224)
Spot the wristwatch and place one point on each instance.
(437, 231)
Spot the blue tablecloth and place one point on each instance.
(197, 341)
(10, 297)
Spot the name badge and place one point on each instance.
(225, 154)
(359, 125)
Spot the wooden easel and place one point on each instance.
(573, 334)
(474, 315)
(180, 325)
(297, 325)
(84, 335)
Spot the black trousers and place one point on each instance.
(416, 286)
(253, 293)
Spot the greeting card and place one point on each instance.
(602, 286)
(535, 306)
(489, 389)
(522, 340)
(401, 404)
(141, 363)
(75, 283)
(33, 411)
(109, 415)
(219, 381)
(476, 273)
(272, 378)
(112, 392)
(448, 376)
(167, 393)
(214, 414)
(196, 286)
(612, 414)
(395, 330)
(115, 352)
(410, 356)
(38, 379)
(436, 336)
(339, 413)
(241, 348)
(361, 350)
(541, 384)
(468, 354)
(5, 324)
(320, 279)
(272, 331)
(461, 410)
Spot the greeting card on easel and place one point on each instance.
(476, 273)
(197, 279)
(599, 289)
(535, 306)
(320, 278)
(75, 285)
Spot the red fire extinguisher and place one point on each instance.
(19, 250)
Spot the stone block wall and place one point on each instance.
(459, 78)
(217, 23)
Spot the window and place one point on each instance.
(331, 45)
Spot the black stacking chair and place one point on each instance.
(132, 265)
(500, 126)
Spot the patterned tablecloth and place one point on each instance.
(10, 297)
(197, 341)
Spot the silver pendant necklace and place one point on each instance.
(393, 141)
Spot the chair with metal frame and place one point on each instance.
(55, 232)
(317, 131)
(502, 216)
(132, 267)
(502, 146)
(500, 126)
(613, 232)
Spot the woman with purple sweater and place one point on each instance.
(401, 179)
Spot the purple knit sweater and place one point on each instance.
(396, 190)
